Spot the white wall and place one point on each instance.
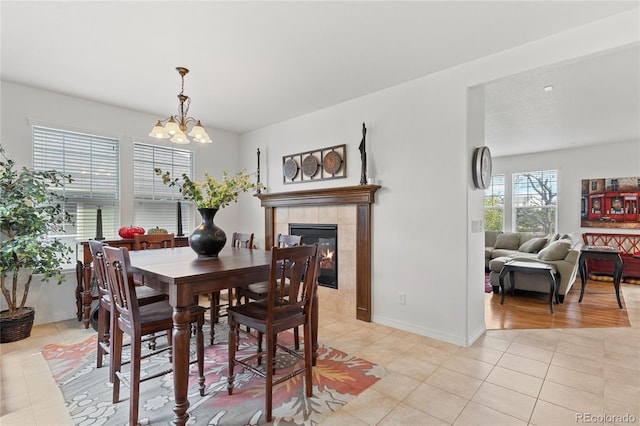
(419, 150)
(23, 105)
(621, 159)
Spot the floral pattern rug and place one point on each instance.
(487, 283)
(337, 378)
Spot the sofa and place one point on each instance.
(561, 251)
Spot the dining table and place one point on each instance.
(181, 274)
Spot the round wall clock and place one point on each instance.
(481, 167)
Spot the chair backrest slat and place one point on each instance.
(242, 240)
(284, 240)
(298, 266)
(99, 267)
(120, 279)
(153, 241)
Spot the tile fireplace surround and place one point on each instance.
(349, 208)
(344, 298)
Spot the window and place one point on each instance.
(93, 163)
(494, 204)
(535, 197)
(155, 202)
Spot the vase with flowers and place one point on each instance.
(209, 196)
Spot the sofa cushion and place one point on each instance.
(533, 245)
(487, 252)
(509, 240)
(490, 238)
(557, 250)
(551, 238)
(575, 238)
(496, 264)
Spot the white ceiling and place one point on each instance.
(594, 100)
(258, 63)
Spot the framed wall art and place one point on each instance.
(610, 203)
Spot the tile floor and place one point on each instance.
(508, 377)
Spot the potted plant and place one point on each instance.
(30, 211)
(209, 196)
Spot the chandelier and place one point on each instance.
(175, 127)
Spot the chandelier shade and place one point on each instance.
(175, 127)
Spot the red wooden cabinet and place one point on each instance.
(629, 246)
(83, 274)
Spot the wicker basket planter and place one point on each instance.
(17, 327)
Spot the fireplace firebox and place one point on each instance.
(327, 238)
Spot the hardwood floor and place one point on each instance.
(599, 308)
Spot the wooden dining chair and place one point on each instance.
(286, 307)
(153, 241)
(138, 321)
(215, 307)
(144, 294)
(258, 291)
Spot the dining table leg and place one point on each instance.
(181, 350)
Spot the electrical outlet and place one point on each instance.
(402, 298)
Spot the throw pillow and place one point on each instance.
(551, 238)
(533, 245)
(508, 240)
(557, 250)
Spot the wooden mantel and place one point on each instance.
(362, 196)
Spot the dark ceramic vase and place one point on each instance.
(207, 239)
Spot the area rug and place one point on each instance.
(487, 283)
(337, 378)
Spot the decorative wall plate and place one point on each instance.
(290, 168)
(309, 165)
(332, 162)
(319, 164)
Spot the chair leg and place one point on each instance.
(308, 359)
(116, 351)
(200, 353)
(296, 338)
(259, 346)
(214, 308)
(239, 297)
(214, 303)
(103, 337)
(269, 378)
(232, 354)
(113, 328)
(152, 342)
(134, 391)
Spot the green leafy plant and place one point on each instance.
(211, 193)
(30, 211)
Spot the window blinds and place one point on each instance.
(93, 163)
(155, 202)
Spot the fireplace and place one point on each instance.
(327, 238)
(352, 207)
